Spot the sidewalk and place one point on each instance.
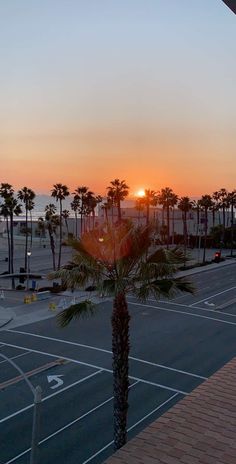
(6, 316)
(14, 312)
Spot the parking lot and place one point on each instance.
(175, 345)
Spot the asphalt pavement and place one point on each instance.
(175, 345)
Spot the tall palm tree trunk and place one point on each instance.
(173, 226)
(205, 237)
(9, 246)
(232, 228)
(185, 234)
(119, 210)
(31, 230)
(168, 225)
(81, 223)
(52, 246)
(120, 349)
(12, 251)
(26, 235)
(223, 214)
(76, 224)
(60, 239)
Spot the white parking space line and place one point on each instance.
(165, 387)
(162, 366)
(195, 307)
(51, 396)
(130, 428)
(179, 371)
(15, 357)
(183, 312)
(227, 303)
(67, 426)
(213, 296)
(67, 342)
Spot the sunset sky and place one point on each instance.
(142, 90)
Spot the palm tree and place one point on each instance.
(118, 191)
(173, 203)
(31, 206)
(205, 203)
(117, 261)
(223, 204)
(149, 199)
(27, 196)
(139, 205)
(75, 207)
(60, 192)
(6, 190)
(196, 207)
(165, 198)
(216, 199)
(81, 195)
(50, 222)
(10, 208)
(98, 199)
(185, 205)
(65, 215)
(232, 203)
(106, 206)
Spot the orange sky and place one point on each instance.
(145, 94)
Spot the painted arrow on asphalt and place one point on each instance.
(55, 378)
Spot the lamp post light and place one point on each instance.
(28, 268)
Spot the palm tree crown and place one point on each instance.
(118, 191)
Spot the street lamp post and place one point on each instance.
(28, 268)
(37, 392)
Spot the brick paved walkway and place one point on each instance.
(200, 429)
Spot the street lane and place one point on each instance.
(174, 344)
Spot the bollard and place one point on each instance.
(52, 306)
(34, 297)
(27, 299)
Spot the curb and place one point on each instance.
(208, 267)
(2, 324)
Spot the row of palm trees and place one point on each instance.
(220, 202)
(85, 202)
(83, 205)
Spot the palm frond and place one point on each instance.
(170, 287)
(174, 256)
(108, 287)
(79, 310)
(162, 288)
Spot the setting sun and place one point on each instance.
(141, 193)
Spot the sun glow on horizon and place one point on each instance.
(141, 193)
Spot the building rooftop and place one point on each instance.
(200, 429)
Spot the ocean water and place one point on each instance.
(42, 200)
